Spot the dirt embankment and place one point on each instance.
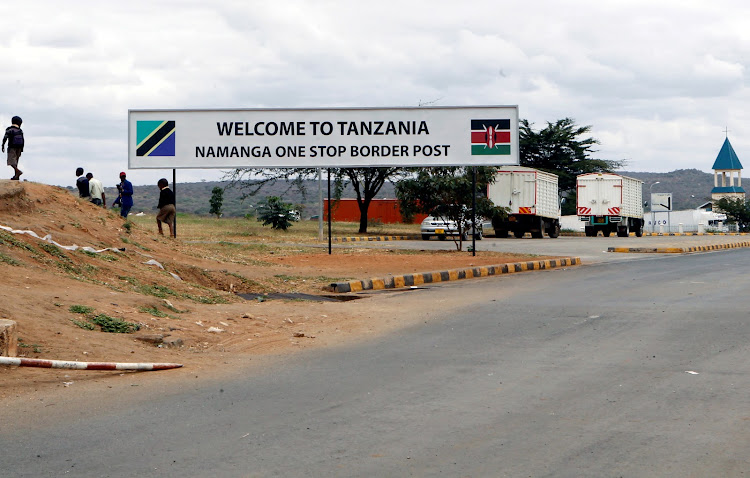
(167, 288)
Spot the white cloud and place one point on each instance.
(658, 82)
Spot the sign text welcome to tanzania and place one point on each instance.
(340, 137)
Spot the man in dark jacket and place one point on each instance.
(14, 137)
(126, 195)
(166, 207)
(82, 183)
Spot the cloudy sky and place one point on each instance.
(658, 81)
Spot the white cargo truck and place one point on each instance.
(532, 199)
(609, 202)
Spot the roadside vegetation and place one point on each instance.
(236, 229)
(88, 320)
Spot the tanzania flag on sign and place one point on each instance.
(490, 136)
(155, 138)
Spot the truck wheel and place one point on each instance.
(502, 233)
(554, 231)
(622, 231)
(590, 231)
(639, 229)
(425, 237)
(606, 232)
(518, 233)
(538, 234)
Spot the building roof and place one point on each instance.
(727, 158)
(728, 189)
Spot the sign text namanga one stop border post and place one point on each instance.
(335, 137)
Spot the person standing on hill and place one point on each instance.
(82, 184)
(167, 211)
(126, 195)
(118, 200)
(14, 137)
(96, 189)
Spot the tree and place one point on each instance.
(446, 192)
(276, 213)
(216, 201)
(366, 182)
(736, 209)
(560, 148)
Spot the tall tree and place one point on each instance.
(561, 148)
(366, 182)
(446, 193)
(217, 201)
(737, 211)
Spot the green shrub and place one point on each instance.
(114, 325)
(276, 213)
(53, 250)
(83, 325)
(81, 309)
(7, 238)
(8, 260)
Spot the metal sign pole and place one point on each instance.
(473, 210)
(329, 211)
(320, 206)
(174, 190)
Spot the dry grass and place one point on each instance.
(199, 228)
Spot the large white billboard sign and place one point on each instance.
(335, 137)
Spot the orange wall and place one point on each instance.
(385, 210)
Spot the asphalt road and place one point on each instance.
(589, 249)
(636, 369)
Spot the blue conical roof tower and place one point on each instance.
(727, 166)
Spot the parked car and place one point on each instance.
(442, 228)
(487, 229)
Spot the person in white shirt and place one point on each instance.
(97, 191)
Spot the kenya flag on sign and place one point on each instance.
(490, 136)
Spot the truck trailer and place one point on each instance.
(609, 202)
(532, 198)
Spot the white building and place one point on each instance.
(686, 220)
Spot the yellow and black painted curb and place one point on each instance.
(664, 234)
(409, 280)
(679, 250)
(407, 237)
(417, 237)
(694, 233)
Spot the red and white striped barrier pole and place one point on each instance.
(27, 362)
